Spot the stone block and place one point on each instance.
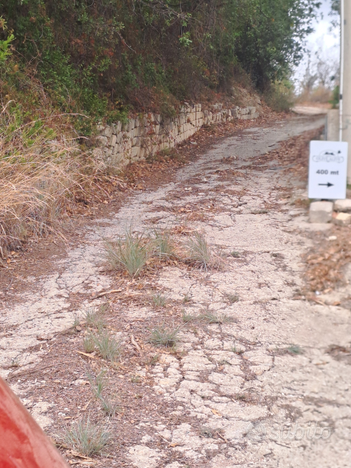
(108, 132)
(113, 140)
(135, 153)
(343, 205)
(342, 219)
(136, 132)
(321, 212)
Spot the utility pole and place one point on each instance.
(345, 79)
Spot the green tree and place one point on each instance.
(5, 44)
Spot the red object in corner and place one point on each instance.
(22, 443)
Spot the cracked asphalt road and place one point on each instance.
(261, 389)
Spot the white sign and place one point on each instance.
(328, 170)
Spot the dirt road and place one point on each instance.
(255, 385)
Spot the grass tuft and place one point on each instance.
(163, 244)
(89, 343)
(211, 317)
(129, 253)
(187, 318)
(199, 251)
(231, 298)
(98, 383)
(95, 318)
(235, 254)
(108, 406)
(163, 336)
(86, 437)
(159, 300)
(294, 349)
(107, 346)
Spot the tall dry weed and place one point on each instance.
(41, 171)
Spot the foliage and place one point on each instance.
(335, 97)
(5, 43)
(335, 6)
(279, 96)
(100, 58)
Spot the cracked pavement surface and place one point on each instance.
(258, 390)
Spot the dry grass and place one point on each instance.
(199, 251)
(42, 173)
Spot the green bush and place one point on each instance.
(5, 43)
(101, 58)
(279, 96)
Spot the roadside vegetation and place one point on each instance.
(66, 67)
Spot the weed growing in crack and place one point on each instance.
(159, 300)
(95, 318)
(163, 336)
(187, 318)
(211, 317)
(199, 251)
(231, 298)
(97, 383)
(89, 343)
(107, 346)
(207, 432)
(163, 244)
(86, 437)
(129, 253)
(108, 406)
(294, 349)
(235, 254)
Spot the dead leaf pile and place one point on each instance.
(326, 263)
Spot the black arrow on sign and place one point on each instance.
(327, 185)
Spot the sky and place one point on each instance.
(322, 40)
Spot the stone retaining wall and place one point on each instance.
(148, 134)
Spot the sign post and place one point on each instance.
(327, 170)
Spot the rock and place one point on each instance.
(343, 205)
(342, 219)
(144, 457)
(321, 212)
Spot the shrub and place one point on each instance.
(279, 96)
